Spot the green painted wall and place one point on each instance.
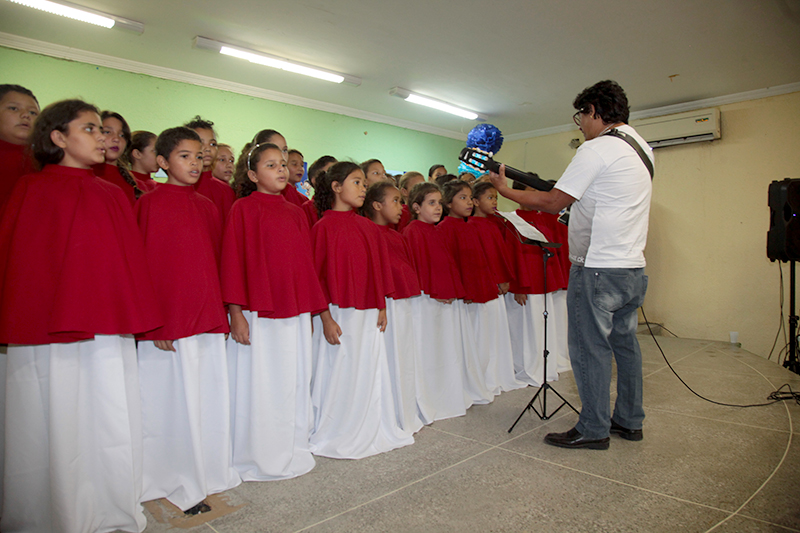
(154, 104)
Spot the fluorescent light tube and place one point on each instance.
(65, 9)
(414, 98)
(275, 61)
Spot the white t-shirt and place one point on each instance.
(608, 224)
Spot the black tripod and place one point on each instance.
(791, 361)
(546, 254)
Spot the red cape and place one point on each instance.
(528, 264)
(218, 192)
(351, 260)
(145, 182)
(404, 275)
(182, 232)
(267, 264)
(497, 254)
(16, 162)
(436, 271)
(463, 242)
(71, 261)
(110, 173)
(294, 196)
(550, 227)
(311, 212)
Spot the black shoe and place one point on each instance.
(573, 439)
(201, 507)
(625, 433)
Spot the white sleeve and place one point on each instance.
(581, 172)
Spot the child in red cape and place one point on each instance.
(73, 289)
(383, 206)
(354, 413)
(182, 366)
(269, 282)
(439, 367)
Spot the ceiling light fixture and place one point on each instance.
(65, 9)
(415, 98)
(275, 61)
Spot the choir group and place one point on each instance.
(171, 340)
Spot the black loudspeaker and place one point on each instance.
(783, 237)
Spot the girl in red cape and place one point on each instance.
(271, 288)
(440, 363)
(73, 290)
(354, 413)
(383, 206)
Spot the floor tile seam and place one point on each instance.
(745, 363)
(767, 522)
(398, 489)
(622, 483)
(731, 422)
(663, 356)
(212, 527)
(769, 478)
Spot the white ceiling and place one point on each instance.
(520, 62)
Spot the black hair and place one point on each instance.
(11, 88)
(376, 193)
(317, 166)
(243, 185)
(199, 122)
(607, 98)
(139, 141)
(56, 116)
(323, 192)
(296, 151)
(433, 169)
(368, 163)
(241, 167)
(444, 178)
(172, 137)
(450, 190)
(418, 194)
(481, 187)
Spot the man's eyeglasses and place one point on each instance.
(577, 118)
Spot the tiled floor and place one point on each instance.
(700, 467)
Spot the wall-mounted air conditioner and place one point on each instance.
(681, 128)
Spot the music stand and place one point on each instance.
(542, 391)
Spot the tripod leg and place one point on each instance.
(529, 406)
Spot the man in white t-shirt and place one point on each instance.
(608, 185)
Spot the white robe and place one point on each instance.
(354, 415)
(271, 398)
(73, 438)
(185, 420)
(440, 364)
(401, 349)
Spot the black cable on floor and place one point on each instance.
(775, 397)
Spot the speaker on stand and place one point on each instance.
(783, 244)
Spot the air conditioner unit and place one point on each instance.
(681, 128)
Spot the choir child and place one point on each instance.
(525, 302)
(271, 288)
(489, 228)
(407, 182)
(117, 138)
(320, 165)
(296, 170)
(182, 365)
(222, 169)
(220, 193)
(382, 205)
(487, 344)
(141, 155)
(18, 110)
(354, 413)
(435, 171)
(439, 367)
(73, 289)
(374, 171)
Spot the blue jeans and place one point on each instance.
(601, 306)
